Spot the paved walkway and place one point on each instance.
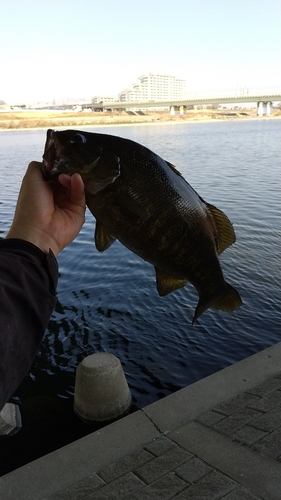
(219, 438)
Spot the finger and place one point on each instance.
(77, 190)
(65, 180)
(34, 170)
(33, 180)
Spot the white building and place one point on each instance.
(98, 99)
(154, 87)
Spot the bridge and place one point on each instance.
(264, 103)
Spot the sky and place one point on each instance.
(59, 49)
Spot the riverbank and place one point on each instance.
(56, 119)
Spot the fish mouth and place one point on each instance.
(54, 162)
(52, 168)
(49, 167)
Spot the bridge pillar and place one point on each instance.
(268, 108)
(181, 110)
(172, 110)
(264, 108)
(261, 108)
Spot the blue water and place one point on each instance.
(109, 302)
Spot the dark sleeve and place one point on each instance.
(28, 280)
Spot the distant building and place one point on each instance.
(98, 99)
(155, 87)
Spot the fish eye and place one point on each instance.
(78, 139)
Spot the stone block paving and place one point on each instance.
(252, 418)
(161, 470)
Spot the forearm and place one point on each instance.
(28, 280)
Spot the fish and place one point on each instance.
(143, 201)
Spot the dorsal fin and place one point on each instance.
(103, 237)
(167, 283)
(173, 167)
(226, 234)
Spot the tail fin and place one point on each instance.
(228, 300)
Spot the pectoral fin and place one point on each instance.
(131, 205)
(226, 234)
(101, 173)
(167, 283)
(103, 238)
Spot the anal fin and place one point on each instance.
(167, 283)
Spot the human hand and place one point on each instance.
(49, 214)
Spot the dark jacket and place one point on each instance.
(28, 280)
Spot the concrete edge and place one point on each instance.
(82, 458)
(187, 404)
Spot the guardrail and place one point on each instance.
(191, 102)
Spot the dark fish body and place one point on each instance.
(144, 202)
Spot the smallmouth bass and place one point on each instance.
(143, 201)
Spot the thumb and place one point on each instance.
(75, 186)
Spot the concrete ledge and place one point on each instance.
(79, 459)
(187, 404)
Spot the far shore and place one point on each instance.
(26, 120)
